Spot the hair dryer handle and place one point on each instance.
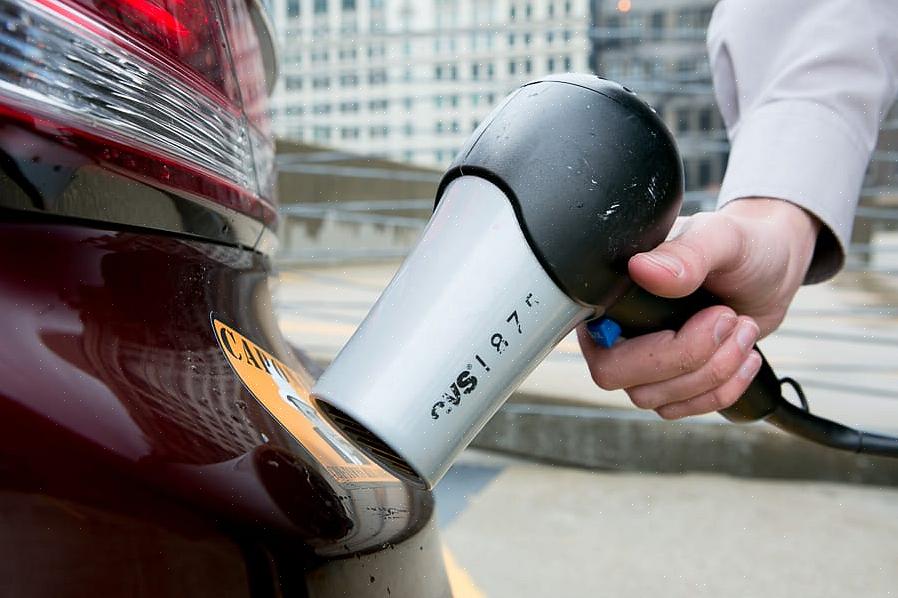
(640, 312)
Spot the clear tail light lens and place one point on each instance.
(247, 59)
(146, 87)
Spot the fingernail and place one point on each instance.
(724, 327)
(669, 263)
(750, 367)
(747, 335)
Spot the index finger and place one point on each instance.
(658, 356)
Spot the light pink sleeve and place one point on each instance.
(803, 86)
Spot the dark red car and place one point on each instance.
(157, 437)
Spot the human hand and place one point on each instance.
(753, 254)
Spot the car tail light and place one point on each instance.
(148, 88)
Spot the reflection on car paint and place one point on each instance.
(113, 351)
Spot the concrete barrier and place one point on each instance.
(629, 440)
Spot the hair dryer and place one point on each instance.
(533, 227)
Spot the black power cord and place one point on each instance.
(801, 422)
(798, 390)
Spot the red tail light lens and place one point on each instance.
(145, 87)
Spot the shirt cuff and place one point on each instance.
(803, 153)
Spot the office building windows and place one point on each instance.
(705, 119)
(682, 115)
(704, 173)
(449, 61)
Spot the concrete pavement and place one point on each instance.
(521, 530)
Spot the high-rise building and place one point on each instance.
(410, 80)
(657, 48)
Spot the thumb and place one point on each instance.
(676, 268)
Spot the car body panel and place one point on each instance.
(127, 431)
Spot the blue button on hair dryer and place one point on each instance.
(533, 227)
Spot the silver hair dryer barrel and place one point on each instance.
(466, 318)
(534, 223)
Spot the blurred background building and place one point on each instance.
(410, 80)
(406, 82)
(376, 97)
(657, 48)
